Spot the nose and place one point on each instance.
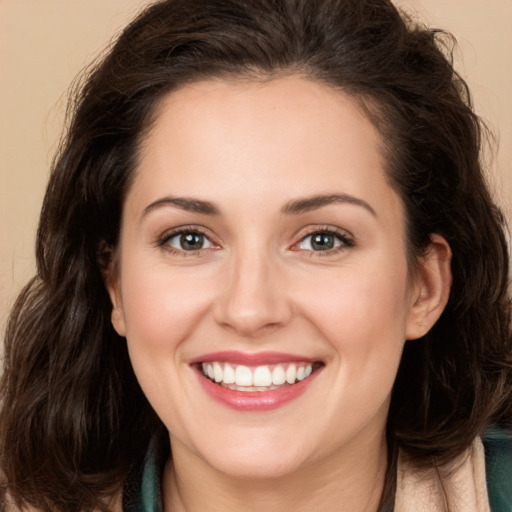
(252, 300)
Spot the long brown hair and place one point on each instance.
(74, 422)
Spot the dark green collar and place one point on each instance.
(498, 468)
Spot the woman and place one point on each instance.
(267, 249)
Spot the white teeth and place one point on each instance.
(258, 378)
(291, 374)
(229, 374)
(278, 376)
(262, 376)
(218, 374)
(243, 376)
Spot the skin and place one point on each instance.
(250, 148)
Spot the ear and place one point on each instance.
(431, 289)
(111, 278)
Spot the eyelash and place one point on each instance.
(345, 240)
(163, 241)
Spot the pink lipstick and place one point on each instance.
(255, 382)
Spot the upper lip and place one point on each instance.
(252, 359)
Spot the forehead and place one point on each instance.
(273, 139)
(218, 105)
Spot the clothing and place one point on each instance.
(479, 481)
(498, 462)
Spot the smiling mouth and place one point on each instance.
(257, 378)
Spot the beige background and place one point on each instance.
(45, 43)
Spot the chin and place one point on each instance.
(261, 467)
(256, 457)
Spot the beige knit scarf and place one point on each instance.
(461, 489)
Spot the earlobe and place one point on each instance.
(432, 288)
(110, 275)
(117, 319)
(117, 315)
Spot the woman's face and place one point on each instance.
(262, 244)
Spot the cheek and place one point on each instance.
(162, 307)
(362, 314)
(358, 300)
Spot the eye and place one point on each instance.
(189, 241)
(324, 241)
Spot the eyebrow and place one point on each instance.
(294, 207)
(183, 203)
(308, 204)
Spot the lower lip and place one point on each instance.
(255, 400)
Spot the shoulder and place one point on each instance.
(498, 465)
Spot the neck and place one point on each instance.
(350, 480)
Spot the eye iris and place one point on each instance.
(191, 241)
(322, 242)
